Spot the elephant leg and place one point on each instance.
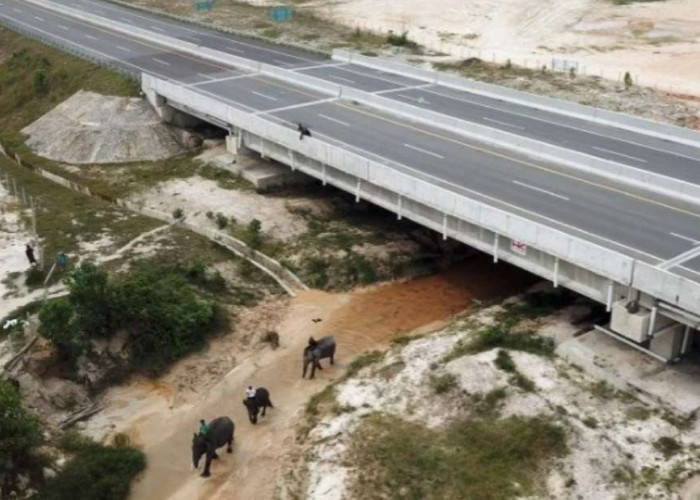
(269, 402)
(215, 456)
(264, 408)
(318, 365)
(229, 448)
(207, 464)
(332, 359)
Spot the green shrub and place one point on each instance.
(41, 82)
(94, 301)
(34, 277)
(628, 80)
(505, 362)
(253, 234)
(221, 220)
(178, 213)
(668, 446)
(443, 383)
(19, 435)
(400, 40)
(164, 316)
(95, 472)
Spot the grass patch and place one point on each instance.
(501, 335)
(602, 390)
(638, 413)
(490, 403)
(363, 361)
(471, 459)
(442, 384)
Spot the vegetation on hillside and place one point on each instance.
(156, 305)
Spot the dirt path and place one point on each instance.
(359, 320)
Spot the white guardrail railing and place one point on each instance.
(620, 268)
(641, 179)
(621, 120)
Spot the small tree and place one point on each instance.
(628, 80)
(94, 300)
(221, 220)
(58, 327)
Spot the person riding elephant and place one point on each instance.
(210, 437)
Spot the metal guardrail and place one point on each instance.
(621, 120)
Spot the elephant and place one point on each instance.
(220, 433)
(254, 404)
(316, 351)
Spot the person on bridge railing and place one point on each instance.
(303, 130)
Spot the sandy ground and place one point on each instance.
(656, 41)
(198, 196)
(617, 441)
(158, 417)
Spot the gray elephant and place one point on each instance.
(261, 400)
(316, 351)
(220, 433)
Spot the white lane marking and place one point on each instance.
(313, 66)
(402, 89)
(376, 76)
(263, 95)
(424, 151)
(235, 49)
(333, 119)
(457, 187)
(535, 188)
(679, 259)
(90, 37)
(39, 18)
(197, 39)
(216, 80)
(295, 106)
(203, 75)
(126, 20)
(505, 124)
(160, 61)
(158, 29)
(16, 10)
(123, 48)
(286, 63)
(419, 100)
(340, 78)
(603, 150)
(63, 27)
(558, 124)
(694, 242)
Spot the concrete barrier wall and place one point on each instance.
(669, 287)
(645, 126)
(641, 179)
